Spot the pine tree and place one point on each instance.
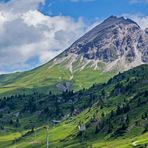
(110, 127)
(118, 111)
(102, 115)
(97, 129)
(127, 119)
(17, 123)
(112, 114)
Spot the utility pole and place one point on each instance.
(47, 144)
(15, 143)
(34, 135)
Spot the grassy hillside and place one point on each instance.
(115, 114)
(49, 76)
(58, 138)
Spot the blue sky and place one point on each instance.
(32, 32)
(97, 9)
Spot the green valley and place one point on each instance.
(115, 114)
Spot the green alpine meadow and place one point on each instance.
(114, 113)
(72, 77)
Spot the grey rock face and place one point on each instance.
(146, 30)
(113, 39)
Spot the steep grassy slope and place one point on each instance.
(115, 115)
(49, 76)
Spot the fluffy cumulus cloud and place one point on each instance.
(27, 36)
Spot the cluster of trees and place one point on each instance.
(145, 115)
(122, 109)
(15, 123)
(107, 124)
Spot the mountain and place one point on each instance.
(115, 45)
(118, 43)
(108, 70)
(115, 115)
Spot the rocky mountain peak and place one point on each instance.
(116, 41)
(117, 20)
(146, 30)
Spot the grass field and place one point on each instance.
(62, 136)
(47, 77)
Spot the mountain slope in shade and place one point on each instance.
(117, 44)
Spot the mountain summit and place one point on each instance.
(115, 45)
(116, 42)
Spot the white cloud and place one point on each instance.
(2, 72)
(26, 33)
(20, 6)
(140, 19)
(138, 1)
